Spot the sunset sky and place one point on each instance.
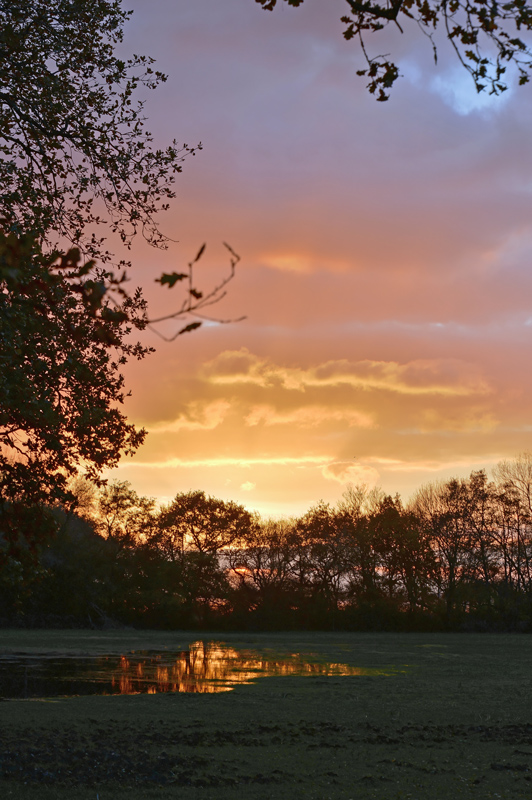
(386, 269)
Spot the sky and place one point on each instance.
(385, 271)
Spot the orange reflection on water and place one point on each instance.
(209, 667)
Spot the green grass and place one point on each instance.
(457, 723)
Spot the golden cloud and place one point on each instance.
(198, 416)
(228, 461)
(427, 465)
(303, 262)
(451, 377)
(293, 262)
(347, 472)
(307, 416)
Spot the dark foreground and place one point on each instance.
(456, 723)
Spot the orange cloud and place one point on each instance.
(347, 472)
(419, 377)
(198, 416)
(226, 461)
(302, 262)
(308, 416)
(429, 465)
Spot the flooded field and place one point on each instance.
(204, 667)
(333, 716)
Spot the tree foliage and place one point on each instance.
(487, 37)
(122, 516)
(74, 148)
(77, 162)
(61, 350)
(195, 521)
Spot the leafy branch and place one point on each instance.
(195, 301)
(485, 35)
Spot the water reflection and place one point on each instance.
(206, 667)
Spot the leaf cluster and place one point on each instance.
(74, 148)
(62, 344)
(197, 521)
(486, 36)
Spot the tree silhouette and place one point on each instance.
(195, 521)
(60, 381)
(486, 37)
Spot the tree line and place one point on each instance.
(457, 556)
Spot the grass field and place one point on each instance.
(455, 723)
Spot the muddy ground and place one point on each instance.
(452, 720)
